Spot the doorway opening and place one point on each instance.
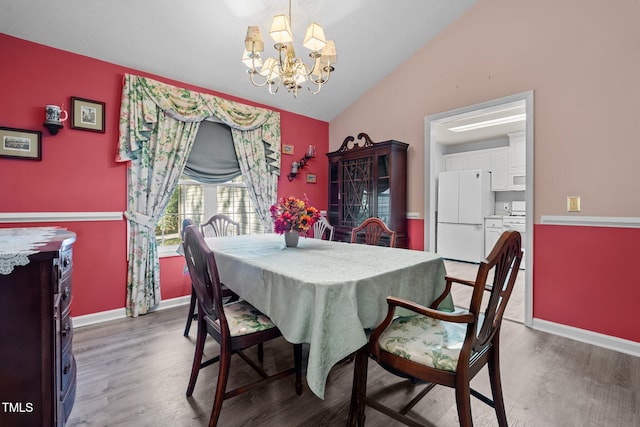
(450, 136)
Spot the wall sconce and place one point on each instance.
(311, 153)
(54, 116)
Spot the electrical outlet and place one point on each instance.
(573, 203)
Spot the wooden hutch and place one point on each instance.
(368, 180)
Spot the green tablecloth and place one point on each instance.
(324, 293)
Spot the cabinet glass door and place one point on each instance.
(334, 194)
(383, 208)
(356, 191)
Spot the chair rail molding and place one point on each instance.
(16, 217)
(592, 221)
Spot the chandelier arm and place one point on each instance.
(252, 73)
(315, 92)
(273, 84)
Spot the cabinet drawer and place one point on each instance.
(68, 399)
(65, 295)
(66, 331)
(67, 370)
(493, 223)
(65, 264)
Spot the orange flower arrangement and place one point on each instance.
(292, 214)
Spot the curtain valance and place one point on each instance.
(142, 98)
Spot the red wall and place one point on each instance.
(582, 278)
(78, 172)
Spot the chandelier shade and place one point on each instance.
(281, 30)
(286, 69)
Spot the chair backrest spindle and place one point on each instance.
(220, 225)
(371, 232)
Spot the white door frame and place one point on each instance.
(433, 151)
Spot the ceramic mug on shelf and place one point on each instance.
(55, 114)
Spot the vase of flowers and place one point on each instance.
(293, 216)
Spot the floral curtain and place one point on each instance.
(158, 124)
(261, 180)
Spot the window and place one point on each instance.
(200, 202)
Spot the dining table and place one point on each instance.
(325, 293)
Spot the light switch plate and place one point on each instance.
(573, 203)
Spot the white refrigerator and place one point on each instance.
(464, 200)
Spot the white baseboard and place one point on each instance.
(121, 313)
(594, 338)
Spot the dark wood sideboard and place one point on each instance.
(37, 366)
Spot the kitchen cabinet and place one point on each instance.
(498, 165)
(492, 231)
(495, 226)
(478, 159)
(368, 180)
(517, 161)
(495, 160)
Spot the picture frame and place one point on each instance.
(287, 149)
(87, 114)
(311, 178)
(20, 143)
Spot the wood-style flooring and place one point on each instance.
(134, 372)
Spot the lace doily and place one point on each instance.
(16, 244)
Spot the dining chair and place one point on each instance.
(373, 231)
(226, 292)
(220, 225)
(235, 326)
(321, 227)
(443, 348)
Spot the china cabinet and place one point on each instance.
(368, 179)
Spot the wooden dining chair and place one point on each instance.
(444, 348)
(373, 231)
(322, 227)
(220, 225)
(216, 224)
(192, 302)
(235, 326)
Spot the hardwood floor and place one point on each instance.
(134, 372)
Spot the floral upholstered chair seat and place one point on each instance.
(424, 340)
(244, 319)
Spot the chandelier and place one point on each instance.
(286, 69)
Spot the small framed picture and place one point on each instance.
(287, 149)
(87, 114)
(20, 144)
(311, 178)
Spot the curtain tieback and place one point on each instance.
(141, 219)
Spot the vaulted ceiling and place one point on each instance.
(201, 41)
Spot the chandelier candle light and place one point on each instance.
(287, 69)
